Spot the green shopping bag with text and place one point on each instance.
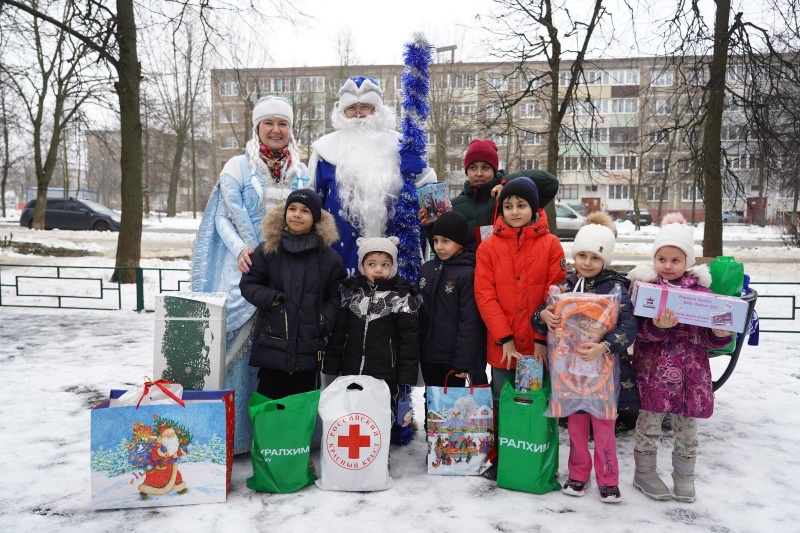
(528, 441)
(727, 278)
(282, 432)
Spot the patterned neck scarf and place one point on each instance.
(276, 160)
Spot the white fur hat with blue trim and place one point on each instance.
(360, 89)
(272, 106)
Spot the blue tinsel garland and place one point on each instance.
(417, 58)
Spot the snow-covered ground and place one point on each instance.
(56, 364)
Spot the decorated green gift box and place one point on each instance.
(190, 339)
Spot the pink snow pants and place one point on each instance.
(606, 468)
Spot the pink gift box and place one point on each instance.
(704, 309)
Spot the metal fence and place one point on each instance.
(85, 287)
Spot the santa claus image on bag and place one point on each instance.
(162, 475)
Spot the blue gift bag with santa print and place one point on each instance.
(162, 454)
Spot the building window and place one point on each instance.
(660, 107)
(568, 163)
(692, 107)
(310, 84)
(568, 191)
(463, 81)
(657, 165)
(736, 74)
(282, 85)
(618, 192)
(653, 194)
(698, 76)
(530, 138)
(597, 106)
(459, 137)
(662, 79)
(689, 193)
(229, 116)
(742, 162)
(464, 108)
(732, 133)
(530, 164)
(493, 110)
(586, 135)
(430, 137)
(530, 110)
(498, 83)
(624, 105)
(659, 137)
(313, 112)
(229, 142)
(622, 162)
(621, 77)
(228, 88)
(530, 82)
(500, 139)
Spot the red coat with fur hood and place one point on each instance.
(513, 270)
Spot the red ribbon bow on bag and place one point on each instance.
(160, 384)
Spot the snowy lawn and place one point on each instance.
(55, 365)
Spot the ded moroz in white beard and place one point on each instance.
(172, 444)
(368, 170)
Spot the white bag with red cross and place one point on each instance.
(356, 429)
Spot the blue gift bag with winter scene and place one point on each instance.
(162, 454)
(459, 428)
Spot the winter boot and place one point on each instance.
(646, 478)
(683, 477)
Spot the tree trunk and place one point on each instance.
(712, 172)
(127, 87)
(175, 173)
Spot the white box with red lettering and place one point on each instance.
(704, 309)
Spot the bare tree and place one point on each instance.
(179, 79)
(520, 45)
(52, 91)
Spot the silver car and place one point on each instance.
(568, 221)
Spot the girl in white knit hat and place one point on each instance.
(671, 364)
(593, 252)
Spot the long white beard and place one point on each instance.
(368, 170)
(172, 444)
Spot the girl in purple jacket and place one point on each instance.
(671, 365)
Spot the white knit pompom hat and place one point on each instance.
(272, 106)
(676, 232)
(386, 245)
(596, 237)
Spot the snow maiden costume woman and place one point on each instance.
(230, 230)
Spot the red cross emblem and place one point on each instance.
(353, 441)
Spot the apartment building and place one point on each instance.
(628, 128)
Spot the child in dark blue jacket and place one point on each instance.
(593, 251)
(452, 334)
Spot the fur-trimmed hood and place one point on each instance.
(697, 275)
(275, 222)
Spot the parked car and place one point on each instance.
(71, 213)
(578, 208)
(730, 216)
(644, 217)
(568, 221)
